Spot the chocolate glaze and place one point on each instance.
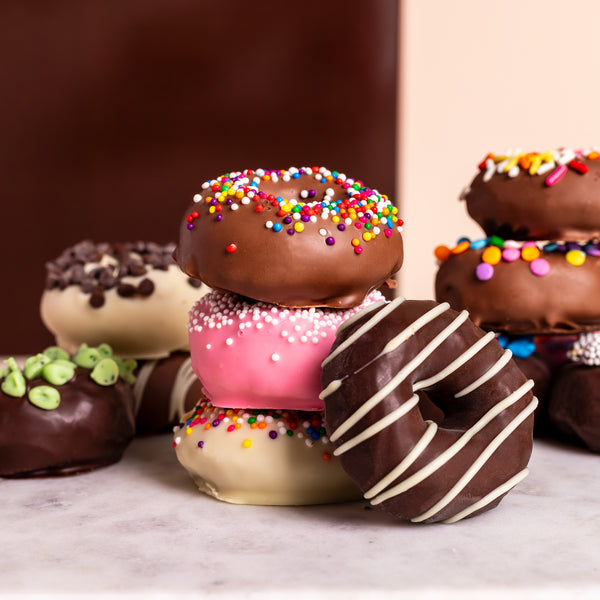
(534, 367)
(164, 391)
(574, 404)
(290, 270)
(498, 410)
(524, 207)
(91, 428)
(516, 301)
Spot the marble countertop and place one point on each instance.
(141, 529)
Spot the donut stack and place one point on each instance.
(290, 255)
(534, 279)
(133, 297)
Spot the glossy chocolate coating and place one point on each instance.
(91, 428)
(574, 404)
(165, 389)
(524, 207)
(298, 269)
(516, 301)
(427, 353)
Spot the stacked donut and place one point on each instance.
(535, 276)
(133, 297)
(290, 255)
(318, 389)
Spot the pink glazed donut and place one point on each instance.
(264, 356)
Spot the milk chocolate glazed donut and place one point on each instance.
(295, 237)
(417, 469)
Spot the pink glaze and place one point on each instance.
(258, 355)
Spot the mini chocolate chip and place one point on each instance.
(95, 272)
(107, 279)
(145, 287)
(136, 269)
(126, 290)
(88, 285)
(77, 274)
(63, 283)
(97, 298)
(195, 283)
(154, 248)
(139, 246)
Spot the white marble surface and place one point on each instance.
(140, 529)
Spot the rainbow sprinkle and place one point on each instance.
(553, 164)
(275, 424)
(347, 203)
(496, 250)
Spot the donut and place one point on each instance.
(522, 288)
(418, 470)
(574, 402)
(296, 237)
(258, 355)
(164, 390)
(261, 456)
(63, 414)
(130, 295)
(537, 196)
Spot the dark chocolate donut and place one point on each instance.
(531, 289)
(574, 404)
(164, 390)
(548, 196)
(297, 237)
(417, 469)
(82, 421)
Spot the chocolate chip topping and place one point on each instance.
(113, 262)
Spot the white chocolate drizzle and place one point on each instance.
(388, 486)
(184, 380)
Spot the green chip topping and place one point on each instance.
(44, 396)
(106, 372)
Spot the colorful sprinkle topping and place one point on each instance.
(346, 203)
(497, 250)
(553, 165)
(276, 425)
(520, 346)
(586, 349)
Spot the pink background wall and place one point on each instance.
(480, 76)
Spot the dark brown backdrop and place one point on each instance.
(113, 113)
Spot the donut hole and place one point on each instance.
(429, 410)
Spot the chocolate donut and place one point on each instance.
(574, 403)
(528, 288)
(164, 390)
(266, 457)
(130, 295)
(297, 237)
(63, 415)
(418, 470)
(547, 196)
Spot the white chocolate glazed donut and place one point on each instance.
(263, 457)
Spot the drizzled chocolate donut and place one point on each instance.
(383, 360)
(62, 414)
(296, 237)
(164, 390)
